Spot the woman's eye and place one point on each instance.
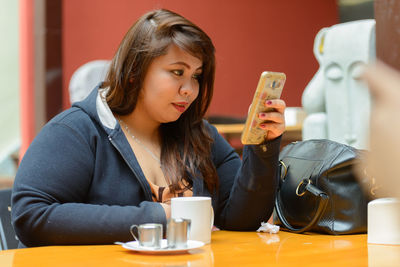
(178, 72)
(197, 77)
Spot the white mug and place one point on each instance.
(384, 221)
(199, 211)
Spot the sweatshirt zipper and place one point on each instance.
(134, 172)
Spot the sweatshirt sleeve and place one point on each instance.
(49, 201)
(247, 186)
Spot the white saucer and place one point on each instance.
(134, 245)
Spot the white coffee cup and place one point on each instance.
(199, 211)
(384, 221)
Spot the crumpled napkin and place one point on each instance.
(268, 228)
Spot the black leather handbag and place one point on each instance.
(318, 190)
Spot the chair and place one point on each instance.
(337, 102)
(8, 239)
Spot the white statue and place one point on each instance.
(336, 101)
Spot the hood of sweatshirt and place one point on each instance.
(95, 105)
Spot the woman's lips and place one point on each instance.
(180, 106)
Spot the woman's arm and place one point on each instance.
(247, 187)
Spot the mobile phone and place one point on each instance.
(269, 86)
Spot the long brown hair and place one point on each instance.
(186, 144)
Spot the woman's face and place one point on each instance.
(170, 86)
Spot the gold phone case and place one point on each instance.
(269, 86)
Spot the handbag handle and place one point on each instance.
(303, 187)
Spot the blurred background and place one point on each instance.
(43, 42)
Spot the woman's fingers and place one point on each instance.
(274, 120)
(278, 104)
(273, 129)
(272, 116)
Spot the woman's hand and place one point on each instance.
(274, 121)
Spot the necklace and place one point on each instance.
(139, 142)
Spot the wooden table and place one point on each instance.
(226, 249)
(232, 133)
(237, 128)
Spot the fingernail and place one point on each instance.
(262, 125)
(261, 115)
(269, 102)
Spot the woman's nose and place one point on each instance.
(188, 88)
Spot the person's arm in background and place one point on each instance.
(382, 162)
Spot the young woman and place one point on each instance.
(116, 158)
